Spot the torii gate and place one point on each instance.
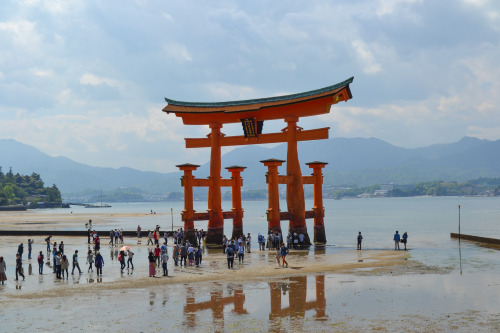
(252, 114)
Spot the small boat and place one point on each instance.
(97, 206)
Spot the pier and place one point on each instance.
(478, 239)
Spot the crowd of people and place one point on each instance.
(184, 254)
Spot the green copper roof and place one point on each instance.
(264, 100)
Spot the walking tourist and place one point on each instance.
(284, 252)
(90, 260)
(75, 263)
(121, 259)
(130, 256)
(230, 257)
(19, 267)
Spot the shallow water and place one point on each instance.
(461, 296)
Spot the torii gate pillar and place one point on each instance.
(273, 213)
(319, 222)
(215, 229)
(237, 182)
(188, 213)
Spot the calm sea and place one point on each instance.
(427, 220)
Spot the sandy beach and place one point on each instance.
(340, 290)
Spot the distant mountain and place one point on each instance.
(356, 161)
(71, 176)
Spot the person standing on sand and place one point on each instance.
(20, 250)
(75, 263)
(58, 265)
(40, 263)
(139, 231)
(224, 243)
(47, 240)
(121, 259)
(99, 263)
(3, 269)
(175, 253)
(130, 256)
(284, 252)
(90, 260)
(405, 239)
(111, 235)
(30, 247)
(230, 257)
(278, 256)
(54, 253)
(64, 266)
(183, 254)
(397, 238)
(152, 265)
(241, 253)
(19, 267)
(360, 238)
(197, 257)
(164, 259)
(61, 247)
(150, 238)
(157, 254)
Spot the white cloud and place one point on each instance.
(370, 66)
(177, 52)
(22, 32)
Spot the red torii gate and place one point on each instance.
(252, 114)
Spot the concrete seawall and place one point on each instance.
(476, 238)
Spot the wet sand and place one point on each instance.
(343, 291)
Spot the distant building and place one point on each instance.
(386, 188)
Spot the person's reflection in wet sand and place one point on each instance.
(152, 297)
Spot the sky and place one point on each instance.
(87, 79)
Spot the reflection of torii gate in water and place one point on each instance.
(297, 300)
(216, 304)
(252, 114)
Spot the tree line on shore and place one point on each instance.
(16, 189)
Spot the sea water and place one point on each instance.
(465, 298)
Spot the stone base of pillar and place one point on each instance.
(214, 237)
(307, 240)
(191, 237)
(319, 235)
(237, 231)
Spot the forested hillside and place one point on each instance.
(23, 189)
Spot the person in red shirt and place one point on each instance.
(157, 255)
